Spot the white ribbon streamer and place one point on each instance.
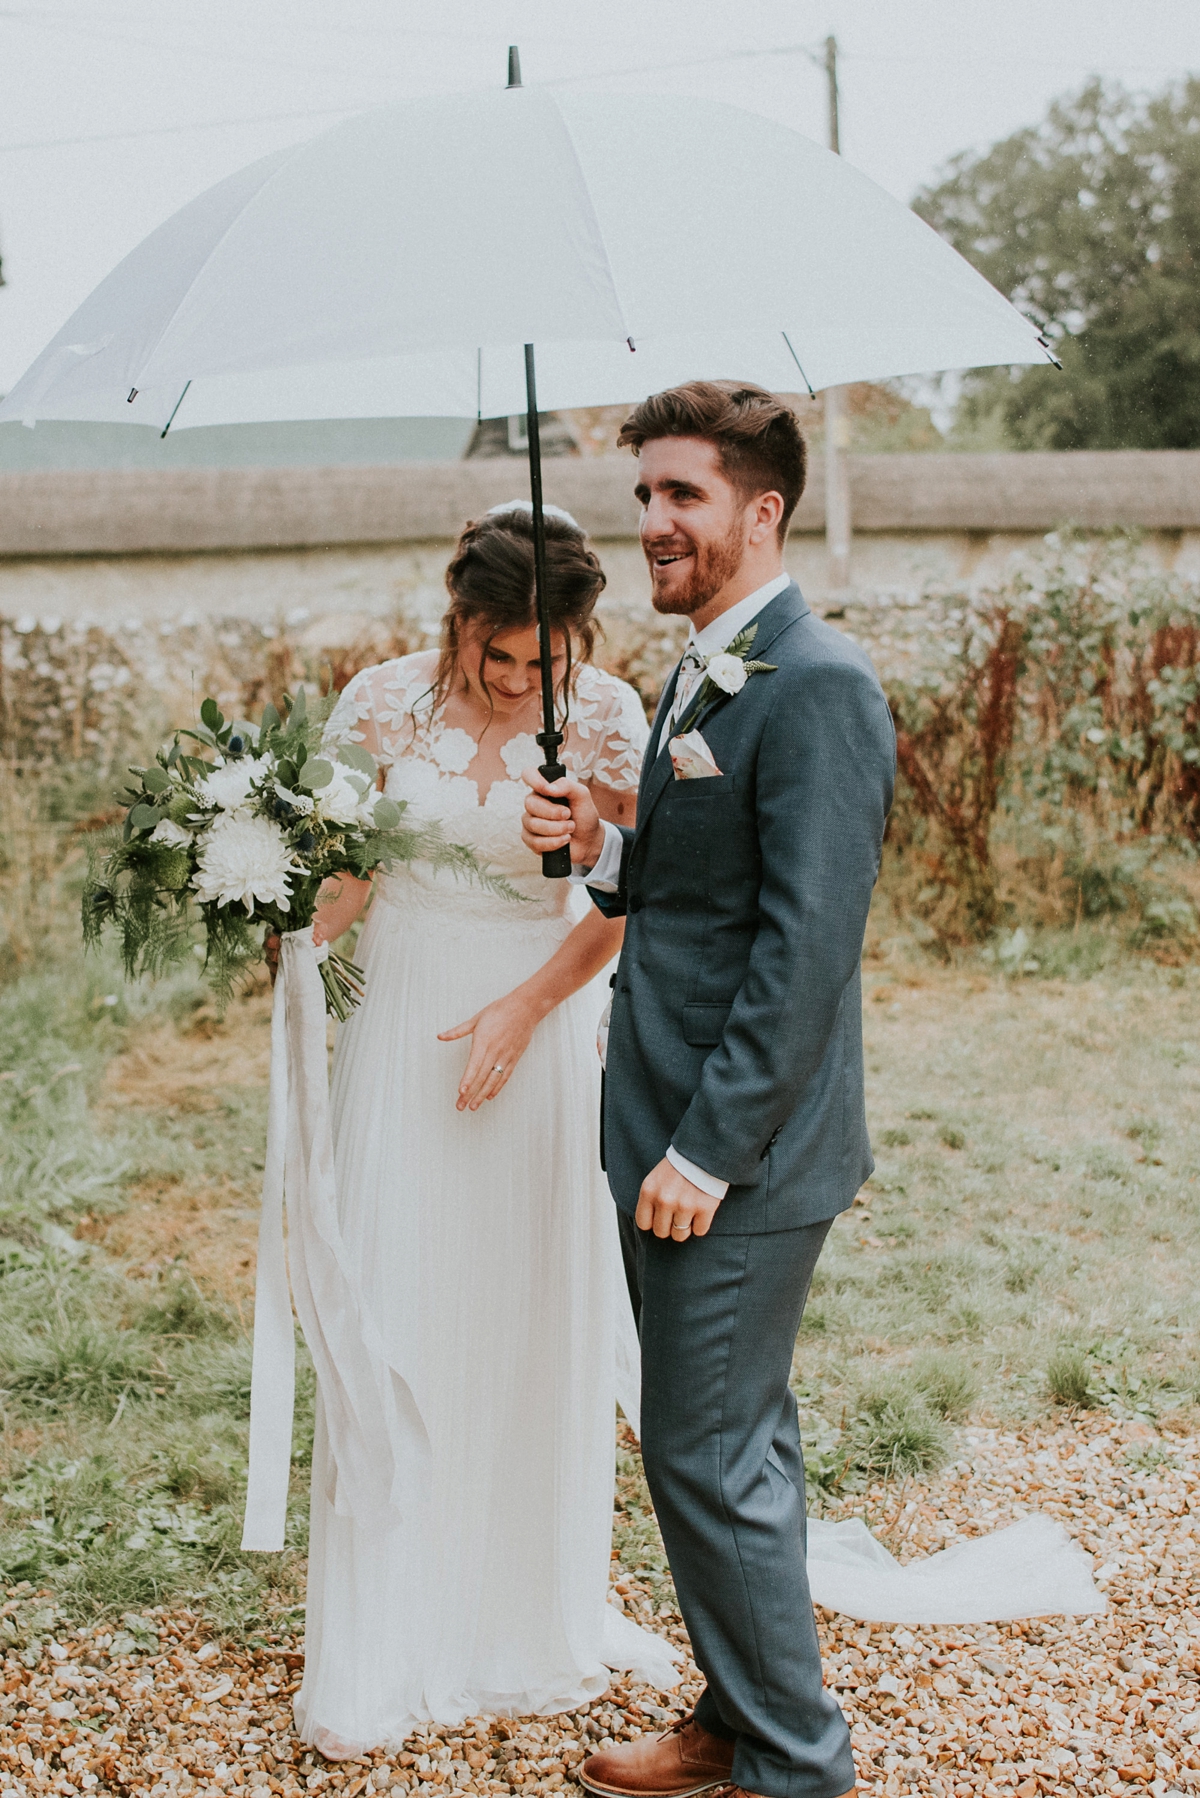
(1030, 1569)
(378, 1442)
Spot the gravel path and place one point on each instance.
(1107, 1704)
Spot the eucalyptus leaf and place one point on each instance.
(155, 780)
(316, 773)
(143, 817)
(386, 815)
(353, 755)
(211, 715)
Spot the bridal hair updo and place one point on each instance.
(491, 586)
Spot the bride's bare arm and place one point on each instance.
(502, 1030)
(339, 902)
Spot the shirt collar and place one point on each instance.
(720, 633)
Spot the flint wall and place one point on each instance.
(346, 543)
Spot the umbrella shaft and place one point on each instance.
(556, 865)
(539, 556)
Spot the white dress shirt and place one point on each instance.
(714, 638)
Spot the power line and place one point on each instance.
(815, 54)
(727, 56)
(45, 21)
(113, 137)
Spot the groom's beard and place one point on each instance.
(713, 566)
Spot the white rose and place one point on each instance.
(228, 786)
(170, 834)
(339, 802)
(366, 806)
(727, 672)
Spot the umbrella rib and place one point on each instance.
(284, 158)
(612, 279)
(799, 365)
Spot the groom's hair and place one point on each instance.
(756, 435)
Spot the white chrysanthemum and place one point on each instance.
(244, 861)
(173, 835)
(341, 800)
(228, 786)
(727, 672)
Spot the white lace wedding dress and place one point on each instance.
(485, 1253)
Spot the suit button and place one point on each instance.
(635, 902)
(626, 989)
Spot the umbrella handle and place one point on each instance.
(556, 863)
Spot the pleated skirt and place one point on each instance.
(486, 1250)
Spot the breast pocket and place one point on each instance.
(708, 786)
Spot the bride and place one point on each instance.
(465, 1106)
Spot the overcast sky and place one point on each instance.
(117, 111)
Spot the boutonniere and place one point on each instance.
(730, 669)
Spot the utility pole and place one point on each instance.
(837, 482)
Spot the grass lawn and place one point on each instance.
(1031, 1230)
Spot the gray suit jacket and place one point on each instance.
(736, 1028)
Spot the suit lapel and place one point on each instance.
(661, 715)
(657, 770)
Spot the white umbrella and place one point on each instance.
(397, 264)
(403, 263)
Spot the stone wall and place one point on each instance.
(348, 544)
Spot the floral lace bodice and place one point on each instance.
(386, 709)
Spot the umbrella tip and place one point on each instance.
(514, 66)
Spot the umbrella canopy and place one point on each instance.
(398, 263)
(407, 261)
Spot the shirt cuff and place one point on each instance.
(606, 872)
(716, 1189)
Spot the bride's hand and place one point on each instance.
(501, 1033)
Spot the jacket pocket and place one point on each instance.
(707, 786)
(704, 1024)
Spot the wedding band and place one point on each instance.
(681, 1229)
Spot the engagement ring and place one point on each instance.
(499, 1068)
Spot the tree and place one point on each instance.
(1090, 223)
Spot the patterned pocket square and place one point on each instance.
(691, 757)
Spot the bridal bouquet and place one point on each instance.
(244, 834)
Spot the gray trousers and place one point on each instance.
(718, 1317)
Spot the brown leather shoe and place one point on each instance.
(682, 1761)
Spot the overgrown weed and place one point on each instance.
(1050, 764)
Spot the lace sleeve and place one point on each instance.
(614, 732)
(375, 708)
(354, 718)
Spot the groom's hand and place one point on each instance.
(671, 1206)
(548, 826)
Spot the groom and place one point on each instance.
(734, 1127)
